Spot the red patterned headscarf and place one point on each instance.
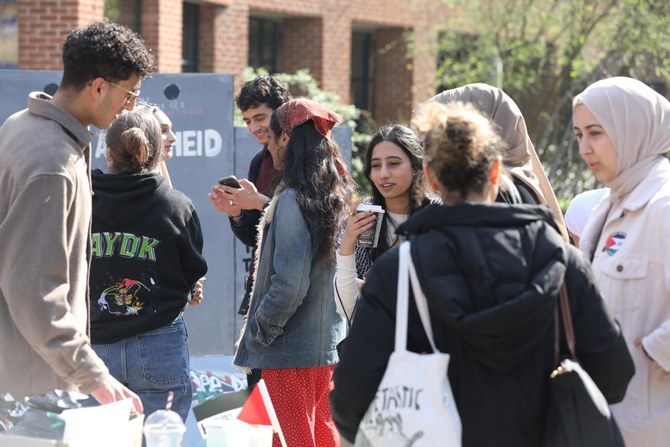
(298, 111)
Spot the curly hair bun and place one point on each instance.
(460, 144)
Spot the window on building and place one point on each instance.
(191, 38)
(125, 12)
(264, 43)
(362, 70)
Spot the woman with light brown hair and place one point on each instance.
(519, 157)
(146, 245)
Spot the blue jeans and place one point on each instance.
(151, 364)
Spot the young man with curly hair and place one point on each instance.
(257, 100)
(45, 216)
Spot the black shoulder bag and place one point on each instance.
(578, 414)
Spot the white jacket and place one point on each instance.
(632, 269)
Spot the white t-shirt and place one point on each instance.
(580, 208)
(392, 224)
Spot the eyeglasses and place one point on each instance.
(131, 95)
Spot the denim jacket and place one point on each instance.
(292, 322)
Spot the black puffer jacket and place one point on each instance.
(491, 274)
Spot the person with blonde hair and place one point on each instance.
(491, 273)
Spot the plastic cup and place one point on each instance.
(164, 428)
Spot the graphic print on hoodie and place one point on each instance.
(123, 298)
(146, 245)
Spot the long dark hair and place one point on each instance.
(315, 169)
(409, 142)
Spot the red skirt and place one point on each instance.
(300, 399)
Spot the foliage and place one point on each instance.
(543, 52)
(112, 10)
(303, 84)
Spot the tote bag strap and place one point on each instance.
(564, 305)
(406, 270)
(402, 301)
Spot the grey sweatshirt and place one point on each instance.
(45, 214)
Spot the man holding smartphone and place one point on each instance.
(45, 216)
(257, 100)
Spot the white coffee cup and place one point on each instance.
(370, 237)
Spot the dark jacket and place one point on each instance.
(246, 230)
(147, 254)
(491, 274)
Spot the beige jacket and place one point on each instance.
(45, 213)
(632, 270)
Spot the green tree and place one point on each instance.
(543, 52)
(112, 10)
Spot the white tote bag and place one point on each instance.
(414, 405)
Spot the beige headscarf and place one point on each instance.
(637, 120)
(520, 158)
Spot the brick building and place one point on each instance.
(378, 54)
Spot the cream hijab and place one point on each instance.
(637, 120)
(520, 158)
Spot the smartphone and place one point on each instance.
(231, 181)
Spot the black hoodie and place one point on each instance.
(147, 254)
(491, 274)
